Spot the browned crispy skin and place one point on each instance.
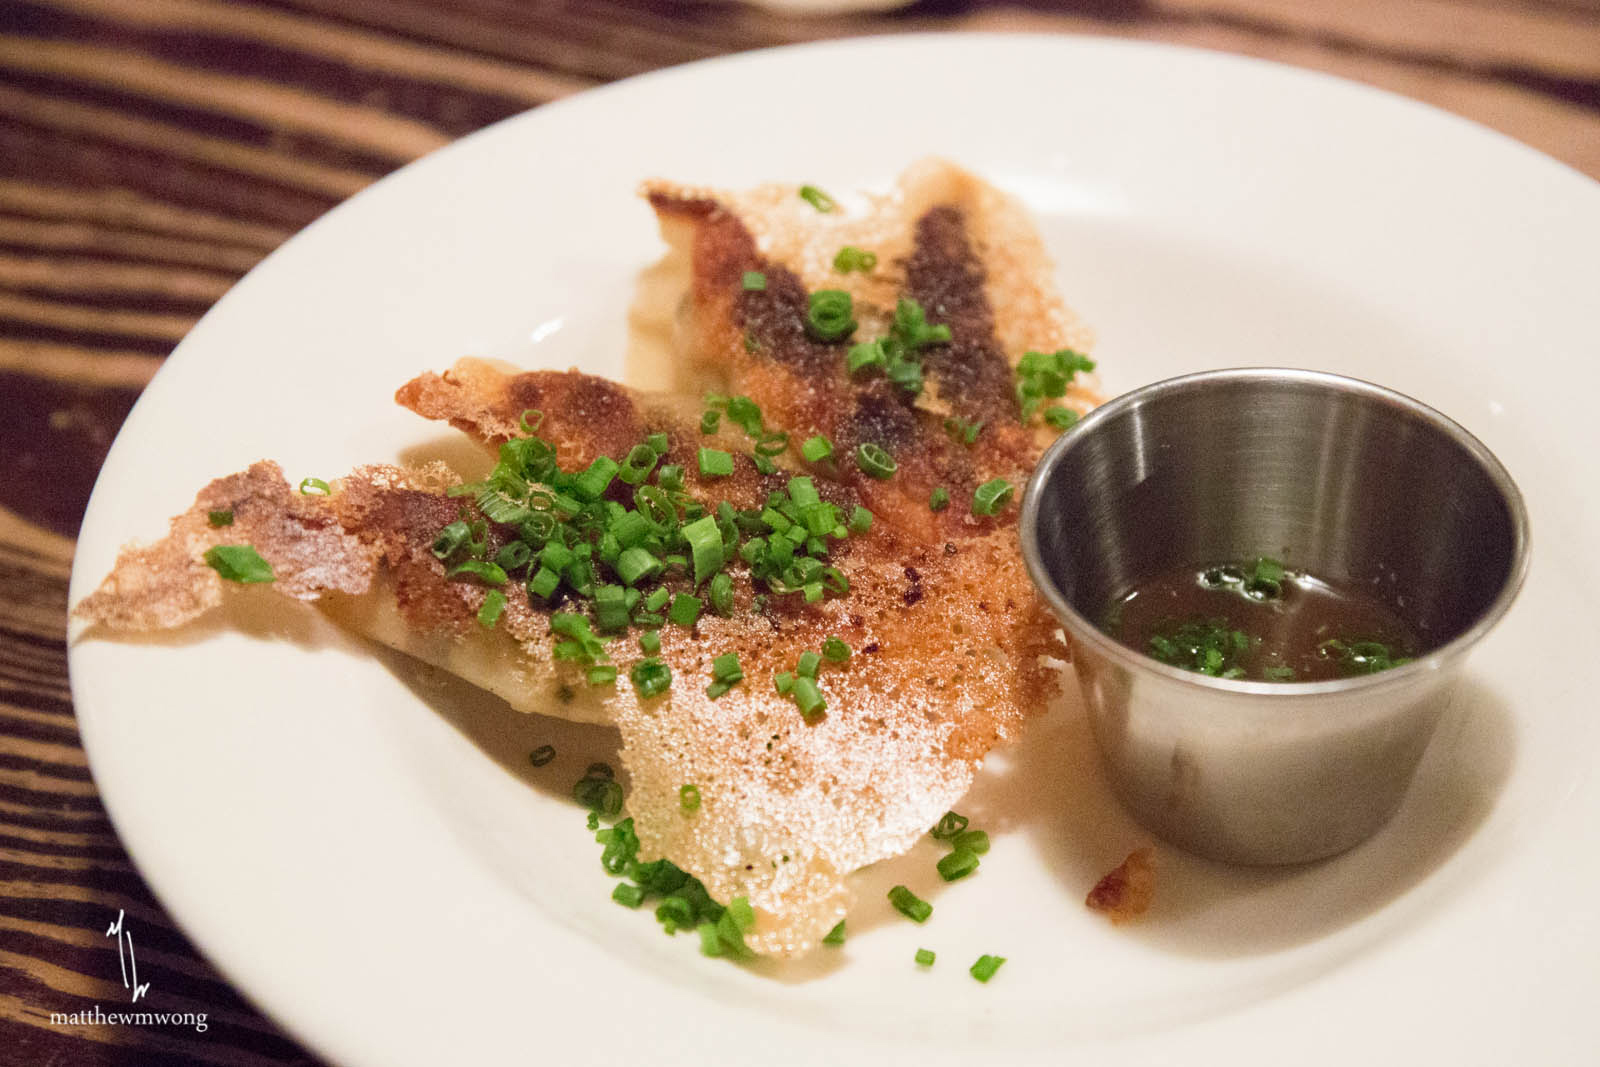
(950, 649)
(801, 384)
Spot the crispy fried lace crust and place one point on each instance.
(950, 643)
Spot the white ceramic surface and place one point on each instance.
(366, 852)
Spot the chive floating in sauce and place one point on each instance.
(1261, 621)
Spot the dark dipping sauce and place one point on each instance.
(1260, 621)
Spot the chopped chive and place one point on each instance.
(817, 198)
(542, 755)
(689, 798)
(783, 683)
(990, 497)
(830, 315)
(600, 795)
(958, 864)
(873, 460)
(710, 421)
(592, 483)
(629, 896)
(850, 258)
(314, 487)
(220, 517)
(972, 840)
(950, 824)
(637, 564)
(544, 582)
(807, 667)
(835, 936)
(657, 599)
(1060, 418)
(650, 678)
(650, 641)
(602, 674)
(836, 650)
(491, 573)
(816, 449)
(494, 602)
(754, 281)
(984, 969)
(809, 698)
(721, 593)
(925, 957)
(637, 465)
(909, 904)
(659, 443)
(865, 356)
(939, 499)
(715, 463)
(239, 563)
(685, 609)
(725, 668)
(860, 520)
(705, 546)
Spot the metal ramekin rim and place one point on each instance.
(1082, 629)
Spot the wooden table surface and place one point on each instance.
(152, 151)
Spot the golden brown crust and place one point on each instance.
(951, 647)
(168, 583)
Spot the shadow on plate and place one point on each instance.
(1051, 788)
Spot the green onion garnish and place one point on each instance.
(493, 604)
(851, 258)
(817, 198)
(1060, 418)
(873, 460)
(715, 463)
(650, 678)
(939, 499)
(490, 573)
(836, 935)
(221, 517)
(990, 497)
(603, 674)
(705, 546)
(925, 957)
(835, 650)
(984, 969)
(958, 864)
(950, 824)
(598, 793)
(830, 315)
(1046, 375)
(860, 520)
(807, 667)
(710, 420)
(720, 592)
(816, 449)
(808, 698)
(314, 487)
(725, 674)
(754, 281)
(865, 356)
(239, 563)
(689, 798)
(909, 904)
(650, 642)
(629, 896)
(972, 840)
(685, 609)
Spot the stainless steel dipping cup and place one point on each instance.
(1340, 478)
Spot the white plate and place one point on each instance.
(367, 854)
